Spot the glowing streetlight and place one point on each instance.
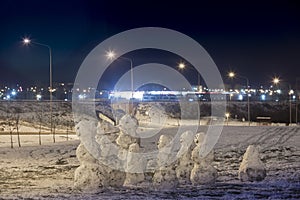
(112, 55)
(232, 75)
(276, 80)
(27, 41)
(181, 66)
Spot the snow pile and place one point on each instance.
(152, 115)
(252, 168)
(88, 175)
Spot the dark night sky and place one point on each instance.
(257, 40)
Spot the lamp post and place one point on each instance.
(297, 96)
(182, 66)
(27, 41)
(111, 55)
(276, 81)
(232, 75)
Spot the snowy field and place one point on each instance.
(47, 171)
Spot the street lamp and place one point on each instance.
(181, 66)
(112, 55)
(297, 96)
(232, 75)
(276, 81)
(27, 41)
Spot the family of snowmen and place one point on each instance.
(119, 146)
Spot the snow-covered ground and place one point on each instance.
(47, 171)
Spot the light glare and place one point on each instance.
(181, 65)
(231, 74)
(26, 40)
(110, 54)
(276, 80)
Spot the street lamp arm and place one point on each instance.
(131, 69)
(131, 79)
(131, 72)
(41, 44)
(50, 63)
(244, 77)
(125, 58)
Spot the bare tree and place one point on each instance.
(39, 115)
(70, 126)
(11, 134)
(17, 124)
(10, 124)
(68, 130)
(54, 122)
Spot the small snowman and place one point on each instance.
(185, 163)
(203, 172)
(165, 176)
(135, 166)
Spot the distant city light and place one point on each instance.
(64, 91)
(240, 97)
(138, 95)
(38, 97)
(82, 96)
(13, 93)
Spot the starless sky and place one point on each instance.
(255, 39)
